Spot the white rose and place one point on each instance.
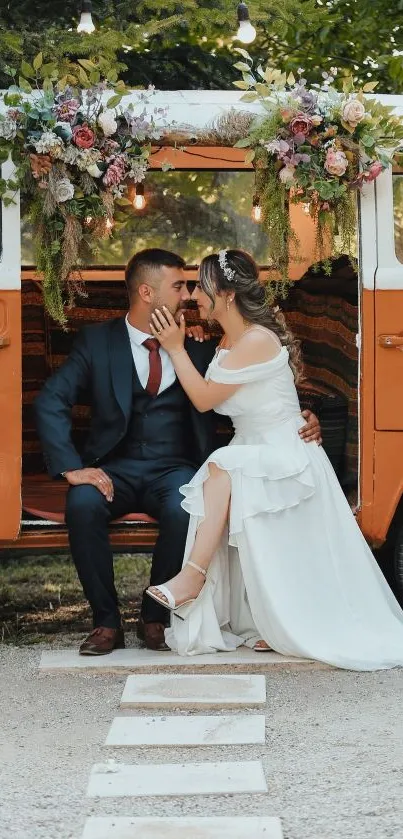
(108, 123)
(286, 174)
(8, 128)
(64, 190)
(353, 112)
(94, 171)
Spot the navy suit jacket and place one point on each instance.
(101, 365)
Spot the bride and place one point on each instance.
(274, 557)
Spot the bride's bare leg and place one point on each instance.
(217, 492)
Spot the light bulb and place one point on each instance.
(139, 200)
(86, 23)
(257, 213)
(89, 220)
(256, 209)
(246, 32)
(109, 224)
(306, 208)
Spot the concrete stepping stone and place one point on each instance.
(193, 691)
(219, 827)
(175, 779)
(187, 731)
(142, 660)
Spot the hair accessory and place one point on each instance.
(228, 272)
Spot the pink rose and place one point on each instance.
(336, 162)
(83, 136)
(374, 170)
(301, 124)
(353, 112)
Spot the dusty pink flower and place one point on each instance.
(301, 124)
(83, 136)
(67, 110)
(336, 162)
(115, 172)
(374, 170)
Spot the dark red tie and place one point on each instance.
(155, 374)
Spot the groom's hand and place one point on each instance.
(96, 477)
(311, 432)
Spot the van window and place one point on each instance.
(193, 213)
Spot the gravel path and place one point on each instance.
(333, 758)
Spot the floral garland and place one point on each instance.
(317, 147)
(77, 154)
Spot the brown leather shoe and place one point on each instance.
(152, 634)
(103, 640)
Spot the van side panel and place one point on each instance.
(367, 407)
(10, 414)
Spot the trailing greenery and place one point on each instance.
(316, 147)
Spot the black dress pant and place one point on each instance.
(140, 486)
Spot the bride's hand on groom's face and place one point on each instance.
(169, 334)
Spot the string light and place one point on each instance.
(306, 208)
(246, 32)
(109, 224)
(139, 200)
(256, 209)
(86, 24)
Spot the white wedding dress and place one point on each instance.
(293, 568)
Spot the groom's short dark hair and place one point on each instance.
(150, 259)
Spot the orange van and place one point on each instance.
(350, 325)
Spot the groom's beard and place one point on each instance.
(176, 313)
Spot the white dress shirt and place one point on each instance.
(141, 358)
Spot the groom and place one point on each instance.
(146, 439)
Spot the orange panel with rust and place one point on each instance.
(389, 361)
(10, 414)
(367, 413)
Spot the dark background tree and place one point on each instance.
(178, 44)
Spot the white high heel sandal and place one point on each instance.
(170, 602)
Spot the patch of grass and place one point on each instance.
(42, 596)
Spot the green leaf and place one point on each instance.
(369, 86)
(262, 89)
(249, 97)
(38, 61)
(47, 86)
(49, 69)
(87, 64)
(240, 65)
(242, 144)
(241, 85)
(244, 54)
(24, 85)
(27, 70)
(112, 76)
(4, 153)
(250, 156)
(82, 75)
(114, 101)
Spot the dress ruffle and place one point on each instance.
(263, 478)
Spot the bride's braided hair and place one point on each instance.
(250, 298)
